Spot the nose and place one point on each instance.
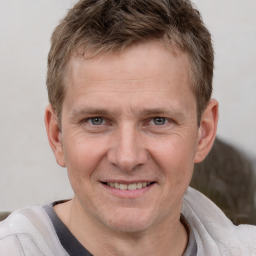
(127, 151)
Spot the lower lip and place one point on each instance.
(129, 193)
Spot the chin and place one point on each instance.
(130, 222)
(131, 226)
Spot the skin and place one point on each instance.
(129, 117)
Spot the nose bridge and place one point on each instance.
(128, 151)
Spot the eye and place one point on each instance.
(159, 120)
(96, 120)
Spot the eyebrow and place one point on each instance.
(76, 113)
(89, 111)
(158, 111)
(164, 112)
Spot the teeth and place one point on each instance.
(139, 185)
(117, 185)
(132, 186)
(123, 186)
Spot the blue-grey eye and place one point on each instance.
(159, 120)
(96, 120)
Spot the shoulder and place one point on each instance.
(15, 228)
(29, 231)
(23, 221)
(16, 222)
(214, 232)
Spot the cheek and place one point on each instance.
(176, 158)
(82, 158)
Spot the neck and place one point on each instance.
(166, 238)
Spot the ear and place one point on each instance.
(207, 130)
(54, 135)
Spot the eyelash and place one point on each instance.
(150, 121)
(160, 118)
(93, 118)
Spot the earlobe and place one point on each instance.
(54, 135)
(207, 131)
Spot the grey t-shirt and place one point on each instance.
(74, 248)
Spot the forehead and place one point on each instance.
(138, 62)
(148, 71)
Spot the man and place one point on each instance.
(130, 112)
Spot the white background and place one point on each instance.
(28, 172)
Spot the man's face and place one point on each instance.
(129, 135)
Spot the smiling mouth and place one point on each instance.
(132, 186)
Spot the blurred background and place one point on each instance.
(29, 174)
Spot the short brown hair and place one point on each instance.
(112, 25)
